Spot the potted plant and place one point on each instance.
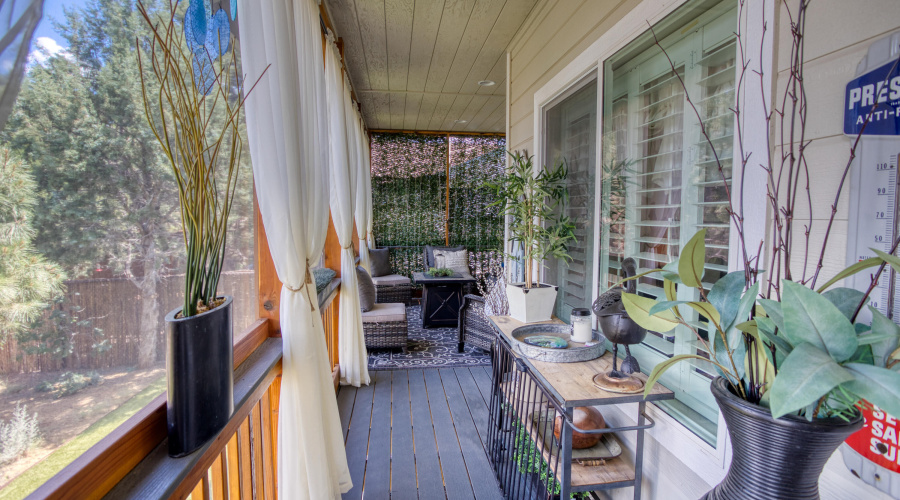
(193, 96)
(795, 360)
(791, 379)
(532, 201)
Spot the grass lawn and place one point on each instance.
(29, 480)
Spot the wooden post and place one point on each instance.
(447, 197)
(332, 249)
(267, 279)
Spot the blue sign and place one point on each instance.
(874, 90)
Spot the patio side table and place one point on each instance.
(529, 459)
(441, 298)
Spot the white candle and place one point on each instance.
(581, 325)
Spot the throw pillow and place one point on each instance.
(458, 260)
(429, 254)
(496, 302)
(366, 290)
(380, 258)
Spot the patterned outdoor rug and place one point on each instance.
(427, 348)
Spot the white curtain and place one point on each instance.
(351, 343)
(288, 139)
(364, 197)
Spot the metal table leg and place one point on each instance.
(565, 477)
(639, 453)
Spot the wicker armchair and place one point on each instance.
(474, 326)
(385, 326)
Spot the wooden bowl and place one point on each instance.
(584, 417)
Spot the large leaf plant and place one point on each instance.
(814, 360)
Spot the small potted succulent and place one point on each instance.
(532, 200)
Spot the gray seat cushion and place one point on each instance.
(385, 313)
(366, 289)
(429, 254)
(381, 264)
(391, 279)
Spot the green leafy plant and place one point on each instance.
(194, 114)
(69, 383)
(530, 199)
(440, 272)
(814, 360)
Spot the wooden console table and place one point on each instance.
(522, 387)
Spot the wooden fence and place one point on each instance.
(114, 308)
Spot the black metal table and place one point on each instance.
(529, 461)
(441, 298)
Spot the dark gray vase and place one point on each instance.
(775, 458)
(200, 376)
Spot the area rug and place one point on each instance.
(427, 348)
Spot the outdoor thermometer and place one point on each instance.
(873, 99)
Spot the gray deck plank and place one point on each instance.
(483, 379)
(378, 465)
(358, 440)
(452, 462)
(481, 477)
(428, 466)
(474, 400)
(345, 399)
(403, 459)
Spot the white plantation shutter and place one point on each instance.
(668, 186)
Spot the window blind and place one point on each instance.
(661, 184)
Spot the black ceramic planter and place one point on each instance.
(775, 458)
(200, 373)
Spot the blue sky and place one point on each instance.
(53, 9)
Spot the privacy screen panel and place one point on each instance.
(414, 204)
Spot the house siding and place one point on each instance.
(838, 35)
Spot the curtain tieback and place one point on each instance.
(348, 247)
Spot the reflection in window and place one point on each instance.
(661, 183)
(105, 210)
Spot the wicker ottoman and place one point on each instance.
(392, 288)
(385, 326)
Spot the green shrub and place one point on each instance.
(69, 383)
(18, 435)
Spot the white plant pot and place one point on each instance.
(531, 305)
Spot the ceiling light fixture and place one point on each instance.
(461, 121)
(487, 83)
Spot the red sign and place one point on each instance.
(878, 439)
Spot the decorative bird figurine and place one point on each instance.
(619, 328)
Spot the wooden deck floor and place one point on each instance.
(419, 434)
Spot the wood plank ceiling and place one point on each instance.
(416, 64)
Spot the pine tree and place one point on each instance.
(107, 195)
(28, 282)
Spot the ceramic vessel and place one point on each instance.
(530, 305)
(775, 458)
(200, 377)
